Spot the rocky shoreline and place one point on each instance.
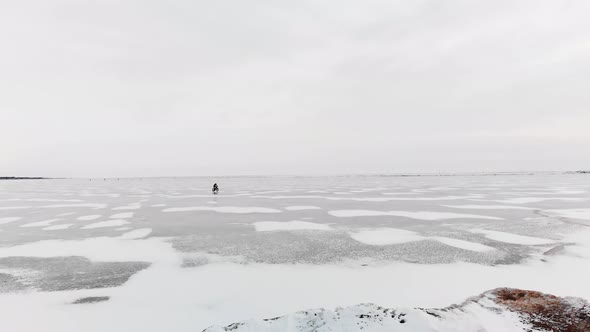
(502, 309)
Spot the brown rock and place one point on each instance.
(546, 312)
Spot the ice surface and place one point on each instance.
(183, 264)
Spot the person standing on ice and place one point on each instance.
(215, 189)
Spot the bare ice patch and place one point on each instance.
(7, 220)
(89, 217)
(302, 207)
(422, 215)
(267, 226)
(512, 238)
(224, 209)
(385, 236)
(108, 223)
(124, 215)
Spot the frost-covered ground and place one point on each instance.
(165, 254)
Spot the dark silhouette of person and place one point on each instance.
(215, 188)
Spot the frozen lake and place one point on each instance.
(164, 254)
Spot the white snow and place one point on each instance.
(422, 215)
(15, 207)
(581, 213)
(57, 227)
(89, 217)
(371, 199)
(385, 236)
(40, 223)
(489, 207)
(6, 220)
(108, 223)
(512, 238)
(136, 234)
(302, 208)
(123, 215)
(267, 226)
(98, 249)
(526, 200)
(88, 205)
(224, 209)
(475, 316)
(462, 244)
(134, 206)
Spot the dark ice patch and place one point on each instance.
(10, 283)
(91, 299)
(67, 273)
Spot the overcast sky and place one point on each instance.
(185, 87)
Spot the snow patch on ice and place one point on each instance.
(512, 238)
(582, 213)
(134, 206)
(267, 226)
(462, 244)
(40, 223)
(302, 208)
(526, 200)
(385, 236)
(422, 215)
(124, 215)
(108, 223)
(89, 217)
(489, 207)
(57, 227)
(137, 234)
(6, 220)
(224, 209)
